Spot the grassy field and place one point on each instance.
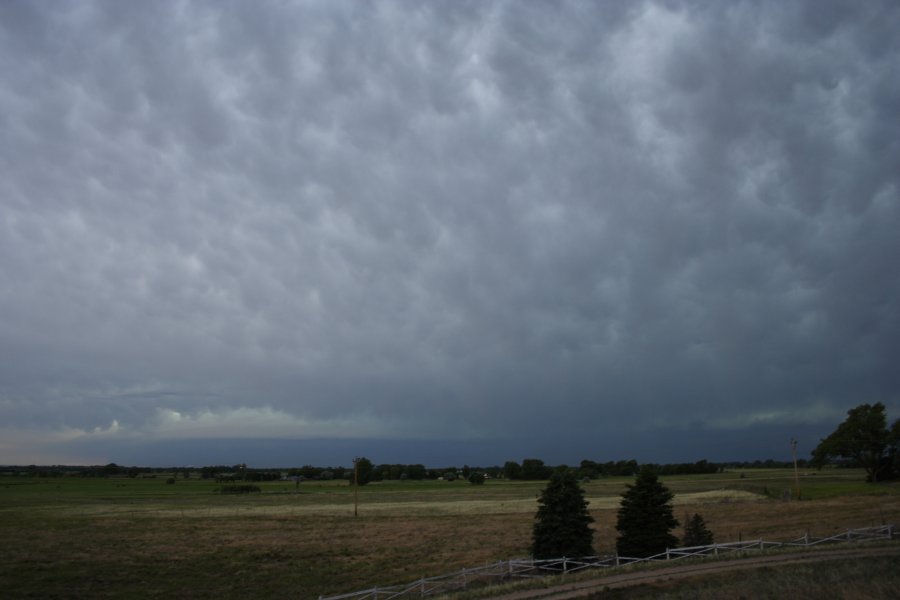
(71, 537)
(875, 578)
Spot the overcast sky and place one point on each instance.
(294, 232)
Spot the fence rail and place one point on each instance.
(507, 570)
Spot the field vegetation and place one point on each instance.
(144, 538)
(874, 578)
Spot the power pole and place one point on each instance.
(356, 487)
(796, 472)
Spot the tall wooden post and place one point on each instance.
(356, 487)
(796, 472)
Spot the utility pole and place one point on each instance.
(796, 472)
(356, 487)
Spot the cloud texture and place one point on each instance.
(456, 221)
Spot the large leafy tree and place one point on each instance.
(535, 469)
(365, 471)
(894, 450)
(512, 470)
(645, 518)
(562, 523)
(864, 437)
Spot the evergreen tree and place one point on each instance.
(696, 533)
(562, 523)
(645, 517)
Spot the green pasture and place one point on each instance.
(829, 481)
(96, 496)
(814, 484)
(73, 496)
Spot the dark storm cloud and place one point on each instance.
(444, 221)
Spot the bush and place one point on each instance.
(476, 478)
(170, 480)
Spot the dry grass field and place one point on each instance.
(70, 538)
(869, 578)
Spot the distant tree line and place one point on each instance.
(239, 473)
(529, 469)
(589, 469)
(763, 464)
(701, 467)
(108, 470)
(368, 472)
(533, 469)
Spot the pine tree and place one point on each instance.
(645, 517)
(696, 533)
(562, 523)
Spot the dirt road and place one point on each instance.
(584, 588)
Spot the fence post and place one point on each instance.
(422, 587)
(716, 549)
(465, 582)
(565, 566)
(617, 559)
(667, 553)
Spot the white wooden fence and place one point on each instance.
(507, 570)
